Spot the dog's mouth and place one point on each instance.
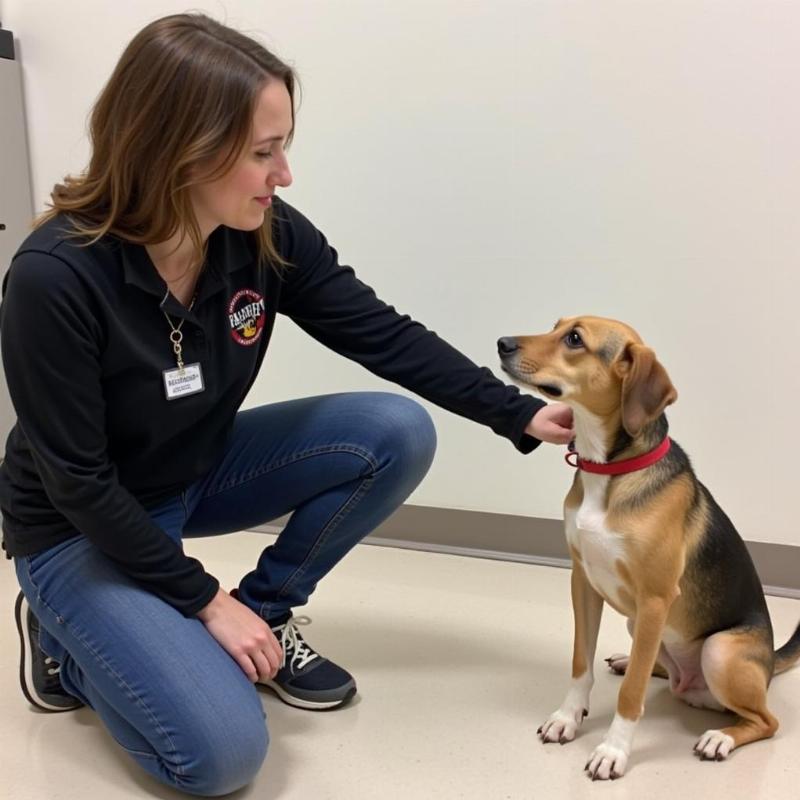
(516, 374)
(549, 389)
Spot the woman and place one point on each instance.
(134, 320)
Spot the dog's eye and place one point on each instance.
(573, 340)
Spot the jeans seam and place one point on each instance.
(326, 531)
(294, 458)
(138, 753)
(108, 669)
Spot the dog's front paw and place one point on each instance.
(714, 746)
(562, 725)
(607, 762)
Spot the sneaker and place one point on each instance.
(38, 673)
(306, 679)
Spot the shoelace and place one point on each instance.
(51, 681)
(292, 642)
(52, 671)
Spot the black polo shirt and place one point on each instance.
(85, 344)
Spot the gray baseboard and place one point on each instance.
(508, 537)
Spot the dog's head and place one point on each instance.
(599, 364)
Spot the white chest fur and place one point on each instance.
(599, 547)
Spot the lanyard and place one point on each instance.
(176, 336)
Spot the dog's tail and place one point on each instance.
(789, 654)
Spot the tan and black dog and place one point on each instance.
(648, 538)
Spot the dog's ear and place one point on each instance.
(646, 387)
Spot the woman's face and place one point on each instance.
(240, 198)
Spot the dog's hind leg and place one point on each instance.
(618, 662)
(737, 665)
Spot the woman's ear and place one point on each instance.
(646, 388)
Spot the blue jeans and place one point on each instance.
(165, 689)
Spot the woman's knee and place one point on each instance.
(407, 432)
(227, 758)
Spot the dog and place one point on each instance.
(647, 537)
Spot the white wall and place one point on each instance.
(492, 165)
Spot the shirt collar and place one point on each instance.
(228, 250)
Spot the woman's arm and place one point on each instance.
(341, 312)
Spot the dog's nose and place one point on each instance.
(507, 345)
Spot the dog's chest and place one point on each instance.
(600, 549)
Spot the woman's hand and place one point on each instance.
(553, 424)
(244, 635)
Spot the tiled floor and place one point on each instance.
(458, 661)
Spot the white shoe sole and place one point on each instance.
(26, 659)
(309, 705)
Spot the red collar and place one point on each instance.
(620, 467)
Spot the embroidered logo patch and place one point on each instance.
(246, 316)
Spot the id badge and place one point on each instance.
(183, 382)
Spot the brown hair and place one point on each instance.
(183, 92)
